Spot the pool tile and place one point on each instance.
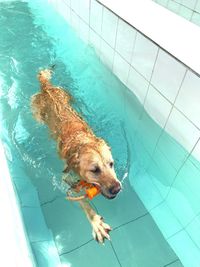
(107, 54)
(166, 66)
(185, 12)
(147, 125)
(185, 248)
(190, 93)
(68, 224)
(157, 106)
(146, 190)
(125, 207)
(96, 16)
(120, 68)
(193, 229)
(162, 172)
(173, 6)
(95, 41)
(166, 220)
(125, 40)
(46, 254)
(27, 193)
(180, 128)
(172, 150)
(35, 224)
(109, 27)
(196, 152)
(75, 22)
(84, 9)
(141, 243)
(144, 55)
(84, 32)
(175, 263)
(64, 10)
(197, 8)
(137, 84)
(196, 18)
(185, 193)
(190, 4)
(90, 255)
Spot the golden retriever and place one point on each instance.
(86, 155)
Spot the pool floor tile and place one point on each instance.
(68, 224)
(35, 224)
(46, 254)
(91, 255)
(141, 244)
(125, 207)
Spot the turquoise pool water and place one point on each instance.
(145, 217)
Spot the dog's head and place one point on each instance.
(96, 165)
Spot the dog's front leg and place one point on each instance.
(100, 229)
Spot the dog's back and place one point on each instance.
(52, 107)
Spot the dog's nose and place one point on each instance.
(115, 189)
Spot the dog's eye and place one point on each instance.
(111, 164)
(96, 170)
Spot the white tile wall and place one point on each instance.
(189, 3)
(109, 27)
(138, 62)
(182, 130)
(197, 8)
(168, 75)
(121, 68)
(185, 12)
(137, 84)
(75, 6)
(96, 16)
(95, 41)
(125, 40)
(75, 21)
(84, 10)
(188, 100)
(196, 151)
(144, 55)
(64, 10)
(84, 31)
(157, 106)
(173, 6)
(107, 54)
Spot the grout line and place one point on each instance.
(50, 201)
(115, 253)
(173, 106)
(152, 72)
(74, 249)
(181, 168)
(114, 48)
(172, 262)
(131, 59)
(133, 220)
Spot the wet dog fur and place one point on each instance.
(83, 153)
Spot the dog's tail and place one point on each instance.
(44, 77)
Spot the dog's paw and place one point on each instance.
(100, 229)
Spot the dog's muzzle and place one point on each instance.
(112, 191)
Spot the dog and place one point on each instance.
(84, 154)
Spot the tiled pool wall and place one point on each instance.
(169, 92)
(190, 10)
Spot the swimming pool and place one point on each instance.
(143, 221)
